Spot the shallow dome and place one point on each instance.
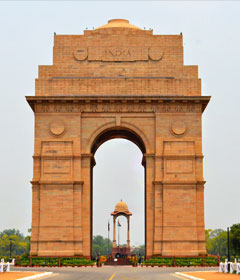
(121, 206)
(124, 23)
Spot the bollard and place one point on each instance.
(238, 268)
(225, 267)
(231, 268)
(174, 261)
(8, 267)
(1, 267)
(135, 260)
(98, 261)
(221, 267)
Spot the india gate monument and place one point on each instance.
(118, 81)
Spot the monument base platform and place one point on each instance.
(121, 252)
(120, 261)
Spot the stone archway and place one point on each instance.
(122, 133)
(118, 81)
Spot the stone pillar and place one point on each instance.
(158, 218)
(149, 228)
(114, 232)
(35, 219)
(86, 206)
(128, 232)
(200, 218)
(77, 218)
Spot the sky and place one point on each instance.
(211, 40)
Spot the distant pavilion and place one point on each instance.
(121, 209)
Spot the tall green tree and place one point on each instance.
(216, 242)
(20, 243)
(140, 250)
(219, 242)
(100, 245)
(208, 240)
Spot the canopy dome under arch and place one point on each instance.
(121, 207)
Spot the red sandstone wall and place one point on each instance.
(116, 62)
(125, 62)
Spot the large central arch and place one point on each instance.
(118, 81)
(120, 133)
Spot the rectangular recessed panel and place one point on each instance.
(179, 148)
(56, 166)
(179, 166)
(57, 148)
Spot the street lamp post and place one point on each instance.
(108, 240)
(228, 246)
(10, 248)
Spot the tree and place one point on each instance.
(20, 243)
(208, 240)
(139, 250)
(235, 239)
(100, 244)
(216, 242)
(14, 231)
(219, 242)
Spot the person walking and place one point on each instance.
(139, 259)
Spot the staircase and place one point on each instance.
(120, 261)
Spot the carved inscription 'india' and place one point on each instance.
(117, 54)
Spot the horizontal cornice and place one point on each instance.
(119, 98)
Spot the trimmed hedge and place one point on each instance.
(23, 260)
(38, 261)
(6, 259)
(75, 262)
(223, 258)
(45, 261)
(181, 261)
(189, 261)
(159, 262)
(211, 261)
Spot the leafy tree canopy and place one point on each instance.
(235, 238)
(216, 241)
(140, 250)
(20, 243)
(100, 245)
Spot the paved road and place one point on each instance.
(113, 272)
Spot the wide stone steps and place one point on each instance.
(118, 262)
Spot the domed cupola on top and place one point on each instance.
(118, 23)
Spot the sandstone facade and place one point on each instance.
(118, 81)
